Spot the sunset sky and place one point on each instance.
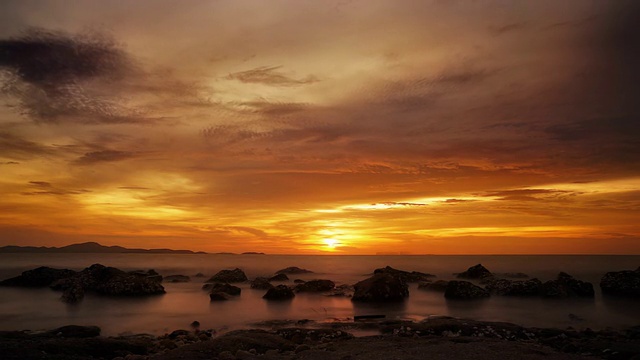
(322, 127)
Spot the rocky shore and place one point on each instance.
(433, 338)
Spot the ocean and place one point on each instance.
(36, 309)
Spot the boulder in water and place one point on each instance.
(621, 283)
(39, 277)
(475, 272)
(531, 287)
(229, 276)
(382, 287)
(293, 270)
(315, 286)
(413, 276)
(464, 290)
(279, 277)
(226, 288)
(177, 278)
(437, 286)
(219, 296)
(280, 292)
(566, 285)
(261, 283)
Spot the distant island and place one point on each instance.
(91, 247)
(252, 253)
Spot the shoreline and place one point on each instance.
(446, 337)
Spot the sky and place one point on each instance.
(322, 127)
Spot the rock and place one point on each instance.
(413, 276)
(226, 355)
(226, 288)
(382, 287)
(505, 287)
(111, 281)
(229, 276)
(299, 281)
(243, 354)
(73, 294)
(621, 283)
(293, 270)
(261, 283)
(149, 274)
(301, 348)
(199, 275)
(219, 296)
(76, 331)
(464, 290)
(515, 275)
(279, 277)
(437, 286)
(177, 278)
(195, 324)
(39, 277)
(475, 272)
(176, 333)
(315, 286)
(343, 290)
(566, 285)
(280, 292)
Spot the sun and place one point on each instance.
(331, 243)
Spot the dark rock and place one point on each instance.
(315, 286)
(229, 276)
(149, 275)
(438, 286)
(73, 294)
(515, 275)
(39, 277)
(475, 272)
(505, 287)
(464, 290)
(566, 285)
(280, 292)
(621, 283)
(199, 275)
(299, 281)
(219, 296)
(195, 324)
(226, 288)
(406, 276)
(382, 287)
(261, 283)
(279, 277)
(111, 281)
(293, 270)
(174, 334)
(76, 331)
(177, 278)
(343, 290)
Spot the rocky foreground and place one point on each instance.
(434, 338)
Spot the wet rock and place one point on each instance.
(437, 286)
(226, 288)
(621, 283)
(279, 277)
(76, 331)
(219, 296)
(73, 294)
(566, 285)
(315, 286)
(343, 290)
(261, 283)
(475, 272)
(39, 277)
(413, 276)
(280, 292)
(177, 278)
(293, 270)
(149, 274)
(229, 276)
(506, 287)
(464, 290)
(382, 287)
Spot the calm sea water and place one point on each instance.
(185, 302)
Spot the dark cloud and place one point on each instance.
(13, 146)
(104, 156)
(270, 76)
(57, 76)
(46, 188)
